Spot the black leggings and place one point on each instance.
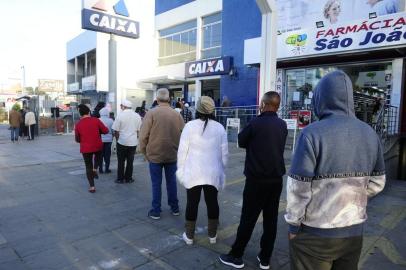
(88, 158)
(193, 199)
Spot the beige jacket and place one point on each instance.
(160, 134)
(30, 119)
(15, 119)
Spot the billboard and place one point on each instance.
(109, 16)
(295, 15)
(46, 85)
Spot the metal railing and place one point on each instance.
(387, 121)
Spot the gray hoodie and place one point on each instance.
(337, 165)
(108, 122)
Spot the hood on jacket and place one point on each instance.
(104, 112)
(333, 95)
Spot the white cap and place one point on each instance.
(186, 105)
(126, 103)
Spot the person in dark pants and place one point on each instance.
(87, 133)
(107, 140)
(126, 128)
(338, 164)
(264, 139)
(203, 144)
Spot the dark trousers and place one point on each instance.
(88, 158)
(309, 252)
(258, 197)
(193, 199)
(31, 130)
(106, 154)
(125, 154)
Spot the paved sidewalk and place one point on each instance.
(48, 220)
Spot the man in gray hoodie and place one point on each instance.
(338, 164)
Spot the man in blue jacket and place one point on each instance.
(338, 164)
(264, 139)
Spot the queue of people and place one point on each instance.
(333, 172)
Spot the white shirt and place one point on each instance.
(202, 157)
(30, 119)
(128, 123)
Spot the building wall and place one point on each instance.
(162, 6)
(241, 90)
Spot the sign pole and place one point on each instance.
(113, 72)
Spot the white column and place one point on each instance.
(198, 90)
(199, 38)
(268, 46)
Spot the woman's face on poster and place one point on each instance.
(334, 11)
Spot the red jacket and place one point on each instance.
(87, 133)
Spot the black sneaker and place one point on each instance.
(263, 264)
(230, 260)
(119, 181)
(154, 215)
(129, 181)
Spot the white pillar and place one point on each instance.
(268, 46)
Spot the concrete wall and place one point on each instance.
(241, 90)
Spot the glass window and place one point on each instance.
(211, 36)
(178, 43)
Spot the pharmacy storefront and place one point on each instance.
(362, 40)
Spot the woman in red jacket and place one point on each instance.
(87, 133)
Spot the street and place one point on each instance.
(48, 219)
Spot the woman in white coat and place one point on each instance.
(202, 157)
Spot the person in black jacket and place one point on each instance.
(264, 139)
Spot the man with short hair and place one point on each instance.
(159, 141)
(15, 119)
(338, 164)
(264, 139)
(126, 130)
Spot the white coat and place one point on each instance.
(202, 156)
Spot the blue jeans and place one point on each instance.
(14, 134)
(155, 169)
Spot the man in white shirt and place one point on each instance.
(126, 128)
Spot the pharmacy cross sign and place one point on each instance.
(109, 16)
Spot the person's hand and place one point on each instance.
(291, 236)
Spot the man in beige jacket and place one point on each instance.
(15, 119)
(159, 141)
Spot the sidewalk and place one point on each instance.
(48, 220)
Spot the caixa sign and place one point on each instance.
(209, 67)
(100, 16)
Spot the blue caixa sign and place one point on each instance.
(101, 17)
(209, 67)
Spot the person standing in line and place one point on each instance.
(186, 113)
(264, 139)
(107, 140)
(15, 119)
(338, 164)
(126, 130)
(202, 157)
(22, 132)
(30, 124)
(159, 141)
(87, 133)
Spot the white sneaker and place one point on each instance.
(186, 239)
(213, 240)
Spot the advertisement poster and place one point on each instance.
(295, 15)
(303, 117)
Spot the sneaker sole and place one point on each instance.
(175, 214)
(187, 240)
(154, 217)
(231, 264)
(262, 266)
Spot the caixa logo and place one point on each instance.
(101, 16)
(208, 67)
